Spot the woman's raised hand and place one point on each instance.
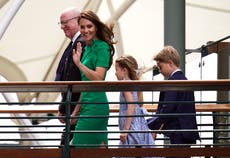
(77, 53)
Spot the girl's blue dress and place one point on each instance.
(137, 124)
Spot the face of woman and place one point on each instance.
(88, 30)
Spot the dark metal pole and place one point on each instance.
(66, 148)
(174, 27)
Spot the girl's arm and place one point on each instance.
(130, 111)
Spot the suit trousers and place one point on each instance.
(63, 137)
(177, 138)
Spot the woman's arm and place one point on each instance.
(76, 112)
(92, 75)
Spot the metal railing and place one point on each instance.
(200, 149)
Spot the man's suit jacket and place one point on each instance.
(178, 122)
(68, 71)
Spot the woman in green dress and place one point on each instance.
(95, 61)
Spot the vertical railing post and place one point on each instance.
(66, 148)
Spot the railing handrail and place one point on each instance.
(113, 108)
(108, 86)
(112, 86)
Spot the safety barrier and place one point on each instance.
(220, 108)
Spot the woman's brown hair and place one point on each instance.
(104, 32)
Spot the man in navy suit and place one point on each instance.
(168, 63)
(67, 70)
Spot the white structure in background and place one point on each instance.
(12, 97)
(7, 122)
(204, 69)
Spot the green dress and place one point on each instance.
(95, 55)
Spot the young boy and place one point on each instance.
(168, 62)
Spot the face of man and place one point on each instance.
(69, 24)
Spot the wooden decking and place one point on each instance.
(118, 152)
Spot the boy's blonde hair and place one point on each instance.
(166, 54)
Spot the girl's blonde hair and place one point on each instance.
(130, 63)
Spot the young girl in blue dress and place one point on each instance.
(127, 69)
